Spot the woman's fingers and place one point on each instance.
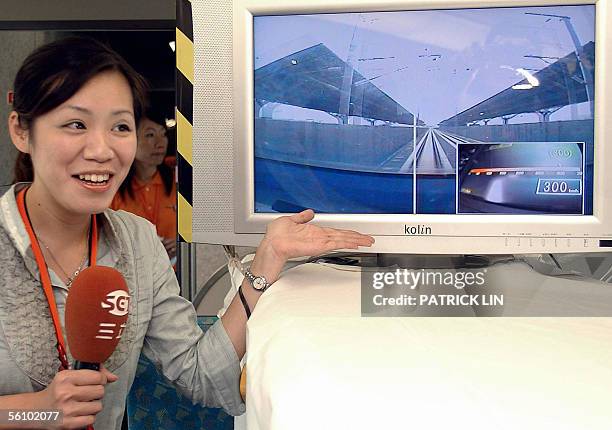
(362, 239)
(170, 246)
(169, 243)
(85, 377)
(110, 377)
(340, 230)
(85, 408)
(327, 245)
(88, 393)
(302, 217)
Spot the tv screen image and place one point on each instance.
(399, 112)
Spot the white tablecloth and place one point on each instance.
(314, 363)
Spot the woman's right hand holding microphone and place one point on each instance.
(77, 394)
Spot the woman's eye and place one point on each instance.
(123, 128)
(76, 125)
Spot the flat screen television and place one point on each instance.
(439, 127)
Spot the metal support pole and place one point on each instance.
(347, 81)
(581, 59)
(187, 269)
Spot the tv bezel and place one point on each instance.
(393, 231)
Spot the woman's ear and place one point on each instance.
(19, 135)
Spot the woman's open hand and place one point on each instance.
(291, 236)
(286, 237)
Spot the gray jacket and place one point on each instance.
(161, 323)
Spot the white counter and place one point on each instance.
(314, 363)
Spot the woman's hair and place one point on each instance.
(166, 172)
(53, 73)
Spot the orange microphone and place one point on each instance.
(96, 314)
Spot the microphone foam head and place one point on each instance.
(96, 313)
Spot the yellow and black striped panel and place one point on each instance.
(184, 117)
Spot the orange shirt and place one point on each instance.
(151, 202)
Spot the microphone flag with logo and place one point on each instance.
(96, 315)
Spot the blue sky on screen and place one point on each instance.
(434, 63)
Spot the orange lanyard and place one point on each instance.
(44, 272)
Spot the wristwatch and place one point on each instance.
(257, 282)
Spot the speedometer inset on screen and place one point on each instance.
(521, 177)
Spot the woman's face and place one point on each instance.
(82, 150)
(152, 143)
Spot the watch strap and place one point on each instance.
(245, 304)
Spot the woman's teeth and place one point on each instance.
(95, 178)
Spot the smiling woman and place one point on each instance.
(82, 149)
(76, 107)
(77, 110)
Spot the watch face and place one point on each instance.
(259, 283)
